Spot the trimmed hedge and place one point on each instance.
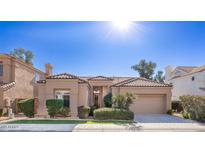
(54, 106)
(193, 107)
(27, 107)
(83, 112)
(113, 113)
(1, 112)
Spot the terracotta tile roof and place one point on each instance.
(186, 69)
(7, 86)
(140, 82)
(62, 76)
(97, 78)
(194, 70)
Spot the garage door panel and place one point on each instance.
(149, 104)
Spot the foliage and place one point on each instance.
(54, 106)
(24, 55)
(1, 112)
(27, 107)
(123, 101)
(130, 97)
(159, 77)
(108, 100)
(170, 112)
(145, 69)
(19, 53)
(119, 101)
(92, 108)
(177, 106)
(29, 57)
(64, 111)
(193, 107)
(113, 113)
(83, 112)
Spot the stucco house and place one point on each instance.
(152, 97)
(186, 80)
(18, 80)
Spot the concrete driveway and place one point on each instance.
(159, 118)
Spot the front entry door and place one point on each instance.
(66, 99)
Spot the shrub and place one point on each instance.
(1, 112)
(64, 111)
(193, 107)
(119, 101)
(27, 107)
(177, 106)
(54, 106)
(170, 112)
(113, 113)
(92, 108)
(108, 100)
(83, 112)
(123, 101)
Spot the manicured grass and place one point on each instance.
(71, 122)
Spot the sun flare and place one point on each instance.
(121, 25)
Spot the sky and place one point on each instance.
(104, 48)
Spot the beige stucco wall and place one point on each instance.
(83, 95)
(164, 91)
(78, 93)
(1, 98)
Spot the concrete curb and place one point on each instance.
(101, 128)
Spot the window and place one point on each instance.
(193, 78)
(1, 69)
(64, 95)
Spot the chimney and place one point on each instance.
(49, 69)
(168, 72)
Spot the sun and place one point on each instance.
(121, 25)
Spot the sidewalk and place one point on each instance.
(140, 127)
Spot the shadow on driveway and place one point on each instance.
(160, 118)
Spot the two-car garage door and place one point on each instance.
(149, 104)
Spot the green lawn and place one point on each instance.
(71, 122)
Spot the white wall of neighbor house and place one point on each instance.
(188, 85)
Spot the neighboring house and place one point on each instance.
(17, 79)
(152, 97)
(186, 80)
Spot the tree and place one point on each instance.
(29, 57)
(108, 100)
(159, 77)
(24, 55)
(145, 69)
(19, 53)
